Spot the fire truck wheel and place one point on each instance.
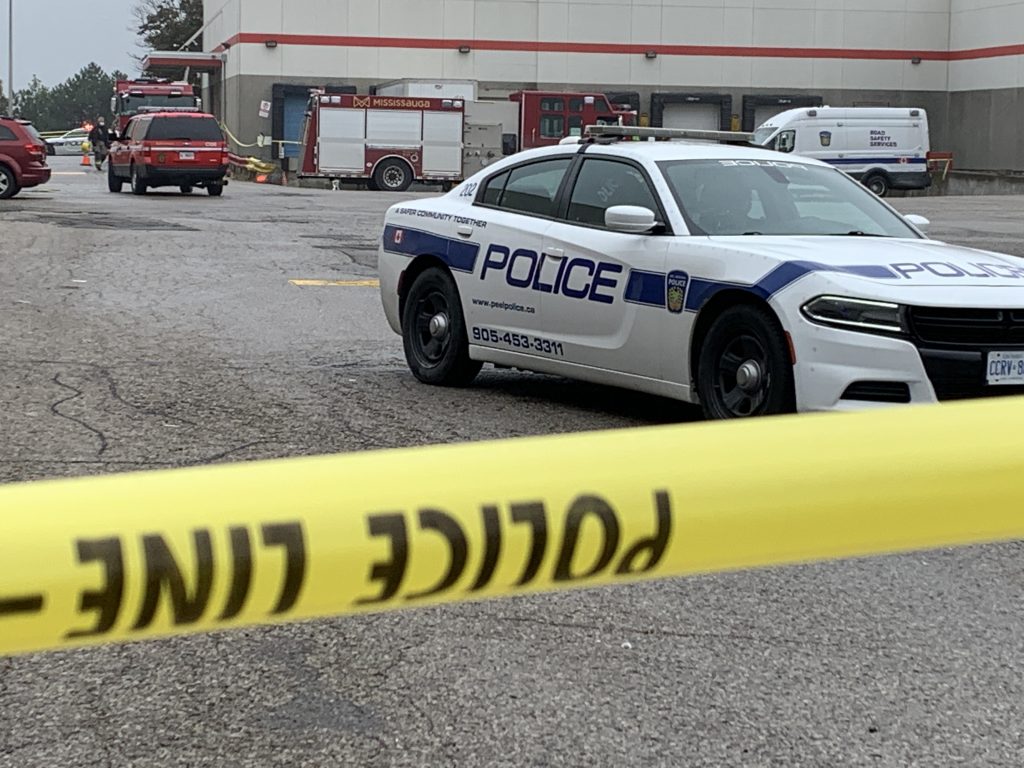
(434, 331)
(138, 185)
(114, 182)
(372, 185)
(185, 189)
(393, 175)
(215, 190)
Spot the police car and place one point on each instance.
(742, 279)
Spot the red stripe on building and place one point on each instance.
(535, 46)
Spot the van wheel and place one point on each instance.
(114, 182)
(8, 184)
(393, 175)
(878, 184)
(744, 367)
(434, 331)
(138, 185)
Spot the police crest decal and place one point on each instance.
(675, 289)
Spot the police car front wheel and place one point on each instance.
(744, 367)
(434, 331)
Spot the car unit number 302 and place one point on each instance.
(518, 340)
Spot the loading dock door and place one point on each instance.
(294, 122)
(705, 117)
(763, 114)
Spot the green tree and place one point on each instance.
(35, 103)
(166, 25)
(80, 99)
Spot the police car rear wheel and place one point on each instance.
(744, 367)
(434, 332)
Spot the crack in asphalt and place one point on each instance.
(76, 394)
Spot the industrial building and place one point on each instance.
(690, 63)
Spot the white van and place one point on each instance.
(885, 148)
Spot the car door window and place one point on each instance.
(529, 188)
(602, 184)
(6, 134)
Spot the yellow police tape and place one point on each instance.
(127, 557)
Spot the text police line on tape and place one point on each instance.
(153, 554)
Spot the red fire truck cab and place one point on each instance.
(167, 95)
(389, 141)
(547, 117)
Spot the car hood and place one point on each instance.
(902, 270)
(887, 261)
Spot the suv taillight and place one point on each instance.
(35, 150)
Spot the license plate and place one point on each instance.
(186, 155)
(1005, 368)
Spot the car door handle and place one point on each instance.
(465, 230)
(555, 253)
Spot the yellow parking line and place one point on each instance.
(341, 283)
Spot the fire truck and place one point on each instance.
(169, 96)
(392, 141)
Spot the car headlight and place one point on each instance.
(856, 314)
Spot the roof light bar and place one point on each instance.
(666, 134)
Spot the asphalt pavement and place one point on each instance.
(165, 330)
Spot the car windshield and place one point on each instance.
(131, 104)
(184, 129)
(761, 135)
(776, 197)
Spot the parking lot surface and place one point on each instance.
(165, 331)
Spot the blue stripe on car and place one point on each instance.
(457, 254)
(877, 161)
(646, 288)
(782, 276)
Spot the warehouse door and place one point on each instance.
(705, 117)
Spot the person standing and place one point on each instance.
(99, 138)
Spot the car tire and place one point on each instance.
(434, 331)
(138, 185)
(744, 368)
(215, 190)
(114, 182)
(185, 189)
(392, 175)
(8, 184)
(877, 183)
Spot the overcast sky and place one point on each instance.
(55, 38)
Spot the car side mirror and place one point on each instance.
(632, 219)
(918, 221)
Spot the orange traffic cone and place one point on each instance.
(86, 162)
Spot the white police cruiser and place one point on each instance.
(742, 279)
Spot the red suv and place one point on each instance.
(22, 157)
(169, 149)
